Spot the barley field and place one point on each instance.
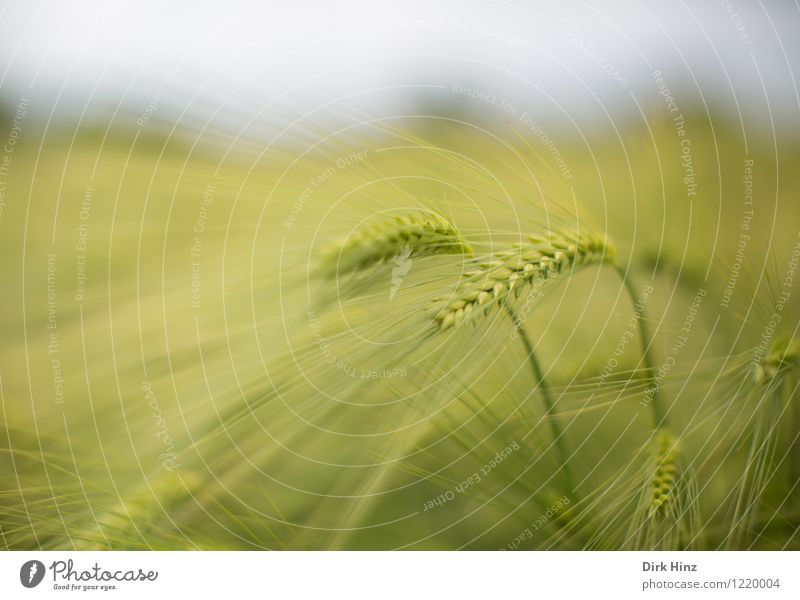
(333, 349)
(464, 326)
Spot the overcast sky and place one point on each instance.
(576, 59)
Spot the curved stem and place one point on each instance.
(659, 415)
(555, 428)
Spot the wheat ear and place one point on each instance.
(411, 235)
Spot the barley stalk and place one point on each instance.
(772, 392)
(659, 416)
(492, 281)
(549, 405)
(411, 235)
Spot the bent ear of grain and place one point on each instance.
(411, 235)
(491, 280)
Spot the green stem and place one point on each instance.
(555, 428)
(659, 415)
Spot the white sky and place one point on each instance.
(237, 56)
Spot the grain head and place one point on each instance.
(491, 280)
(412, 235)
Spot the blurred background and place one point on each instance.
(169, 174)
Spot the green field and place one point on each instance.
(177, 371)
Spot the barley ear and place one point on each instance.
(412, 235)
(662, 484)
(781, 357)
(668, 516)
(490, 281)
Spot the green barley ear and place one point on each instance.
(662, 484)
(782, 356)
(411, 235)
(668, 511)
(492, 280)
(771, 405)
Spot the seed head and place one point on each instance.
(666, 473)
(491, 280)
(411, 235)
(781, 357)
